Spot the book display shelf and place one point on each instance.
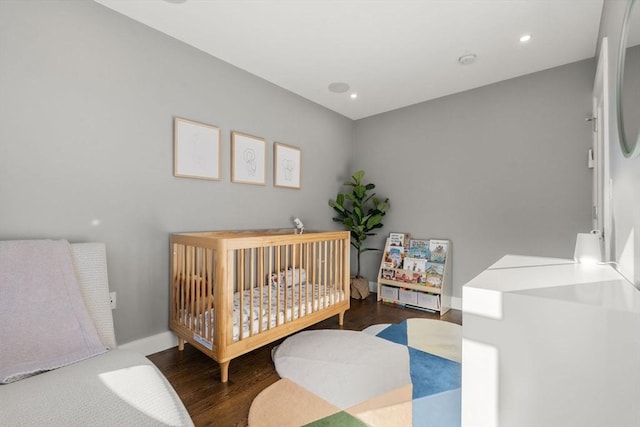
(416, 273)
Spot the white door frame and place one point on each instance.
(602, 197)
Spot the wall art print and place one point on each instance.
(286, 166)
(248, 159)
(196, 150)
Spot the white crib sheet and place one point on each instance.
(317, 300)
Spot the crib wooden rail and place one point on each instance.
(234, 291)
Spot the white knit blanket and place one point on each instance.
(44, 323)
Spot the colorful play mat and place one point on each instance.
(402, 374)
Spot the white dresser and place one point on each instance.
(548, 342)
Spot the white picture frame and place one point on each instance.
(248, 159)
(287, 166)
(196, 150)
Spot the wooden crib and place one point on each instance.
(235, 291)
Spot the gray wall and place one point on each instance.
(498, 170)
(88, 99)
(625, 173)
(87, 105)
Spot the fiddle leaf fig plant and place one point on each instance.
(359, 212)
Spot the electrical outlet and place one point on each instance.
(112, 297)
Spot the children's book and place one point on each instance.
(396, 239)
(418, 249)
(434, 273)
(393, 257)
(388, 273)
(414, 264)
(408, 277)
(438, 250)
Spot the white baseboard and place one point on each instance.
(167, 339)
(152, 344)
(456, 302)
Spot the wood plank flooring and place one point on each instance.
(196, 377)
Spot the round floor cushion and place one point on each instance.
(343, 367)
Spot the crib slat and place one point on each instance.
(261, 285)
(301, 286)
(252, 284)
(338, 271)
(195, 276)
(309, 269)
(325, 267)
(294, 286)
(196, 287)
(334, 274)
(223, 299)
(198, 293)
(184, 285)
(314, 271)
(177, 282)
(191, 286)
(306, 288)
(178, 285)
(270, 284)
(209, 305)
(285, 283)
(240, 280)
(279, 285)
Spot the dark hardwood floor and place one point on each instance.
(196, 377)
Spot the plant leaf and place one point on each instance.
(374, 220)
(358, 212)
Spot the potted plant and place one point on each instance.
(360, 213)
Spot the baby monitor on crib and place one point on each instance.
(299, 225)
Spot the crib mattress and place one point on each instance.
(253, 321)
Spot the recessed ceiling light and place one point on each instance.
(467, 59)
(176, 1)
(525, 38)
(339, 87)
(354, 95)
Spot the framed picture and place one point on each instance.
(248, 159)
(286, 166)
(196, 150)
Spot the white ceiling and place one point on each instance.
(393, 53)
